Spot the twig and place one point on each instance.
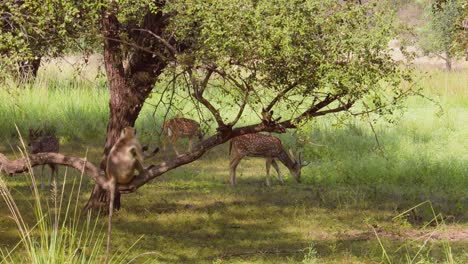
(163, 41)
(373, 131)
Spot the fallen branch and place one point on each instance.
(21, 165)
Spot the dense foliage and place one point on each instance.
(445, 34)
(302, 59)
(302, 51)
(33, 29)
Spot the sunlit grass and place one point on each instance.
(192, 215)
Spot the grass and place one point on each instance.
(54, 236)
(343, 212)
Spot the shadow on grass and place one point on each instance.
(192, 215)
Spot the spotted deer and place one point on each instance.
(180, 127)
(265, 146)
(38, 142)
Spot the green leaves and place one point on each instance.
(443, 33)
(32, 29)
(300, 50)
(322, 48)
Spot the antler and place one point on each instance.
(303, 163)
(291, 155)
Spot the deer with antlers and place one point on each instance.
(180, 127)
(39, 143)
(265, 146)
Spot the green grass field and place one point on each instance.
(350, 207)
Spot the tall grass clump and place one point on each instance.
(55, 236)
(58, 232)
(420, 246)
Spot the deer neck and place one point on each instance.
(286, 160)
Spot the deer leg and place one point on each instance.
(268, 166)
(275, 165)
(51, 179)
(173, 143)
(175, 150)
(164, 142)
(232, 169)
(42, 177)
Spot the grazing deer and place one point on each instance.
(44, 143)
(180, 127)
(268, 147)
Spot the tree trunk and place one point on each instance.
(123, 109)
(448, 62)
(129, 87)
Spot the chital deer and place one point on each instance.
(268, 147)
(44, 143)
(180, 127)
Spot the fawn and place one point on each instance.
(180, 127)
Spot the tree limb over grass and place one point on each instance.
(18, 166)
(22, 165)
(322, 57)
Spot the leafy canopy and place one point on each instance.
(33, 29)
(310, 50)
(445, 33)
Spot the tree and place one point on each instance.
(290, 60)
(31, 30)
(444, 33)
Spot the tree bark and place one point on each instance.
(128, 86)
(448, 62)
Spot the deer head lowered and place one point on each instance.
(268, 147)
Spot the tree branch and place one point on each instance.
(227, 76)
(241, 110)
(314, 111)
(23, 164)
(201, 148)
(153, 171)
(280, 95)
(198, 94)
(163, 41)
(149, 51)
